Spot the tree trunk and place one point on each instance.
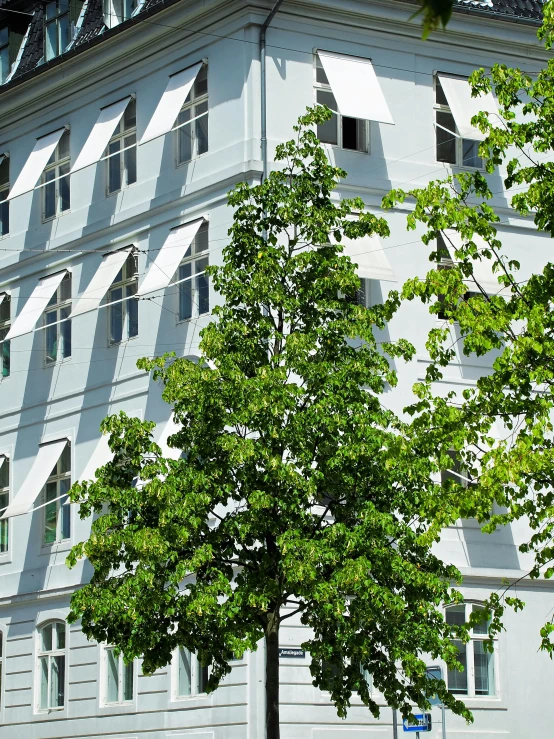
(272, 677)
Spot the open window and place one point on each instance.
(60, 20)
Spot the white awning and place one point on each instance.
(47, 457)
(171, 102)
(464, 107)
(162, 269)
(103, 278)
(35, 305)
(169, 428)
(101, 455)
(355, 87)
(482, 268)
(100, 135)
(35, 164)
(367, 253)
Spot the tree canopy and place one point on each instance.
(501, 429)
(298, 493)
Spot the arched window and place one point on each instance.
(51, 666)
(479, 675)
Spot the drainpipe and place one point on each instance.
(263, 139)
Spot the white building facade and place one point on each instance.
(123, 125)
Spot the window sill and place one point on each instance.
(188, 161)
(200, 700)
(110, 709)
(122, 189)
(53, 218)
(122, 342)
(50, 714)
(338, 147)
(59, 546)
(49, 365)
(182, 321)
(464, 168)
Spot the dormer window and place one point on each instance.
(118, 11)
(60, 19)
(10, 43)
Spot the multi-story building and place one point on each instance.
(123, 124)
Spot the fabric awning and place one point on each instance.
(47, 457)
(103, 278)
(101, 455)
(168, 429)
(171, 102)
(35, 164)
(355, 87)
(367, 253)
(162, 269)
(464, 107)
(482, 268)
(35, 305)
(100, 135)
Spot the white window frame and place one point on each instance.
(5, 53)
(118, 11)
(459, 141)
(125, 149)
(5, 325)
(469, 672)
(122, 303)
(55, 165)
(196, 670)
(364, 125)
(121, 701)
(191, 105)
(56, 651)
(4, 501)
(61, 480)
(4, 202)
(60, 308)
(192, 258)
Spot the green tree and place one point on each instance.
(511, 472)
(298, 493)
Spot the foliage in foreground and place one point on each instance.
(298, 493)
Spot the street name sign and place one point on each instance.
(423, 723)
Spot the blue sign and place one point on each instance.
(423, 723)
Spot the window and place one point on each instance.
(60, 17)
(57, 512)
(117, 11)
(192, 676)
(192, 139)
(455, 471)
(122, 161)
(55, 180)
(1, 663)
(4, 502)
(123, 310)
(368, 294)
(10, 42)
(194, 286)
(478, 677)
(450, 147)
(5, 322)
(58, 323)
(51, 659)
(349, 133)
(4, 190)
(119, 678)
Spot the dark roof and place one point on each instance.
(92, 25)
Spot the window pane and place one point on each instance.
(64, 188)
(130, 115)
(4, 63)
(114, 168)
(112, 664)
(5, 474)
(130, 159)
(202, 129)
(65, 510)
(128, 682)
(185, 293)
(50, 194)
(50, 513)
(51, 38)
(65, 460)
(4, 529)
(64, 30)
(201, 242)
(327, 132)
(201, 83)
(202, 287)
(51, 336)
(184, 672)
(320, 75)
(44, 682)
(62, 150)
(484, 670)
(456, 615)
(132, 310)
(5, 358)
(4, 213)
(440, 97)
(57, 680)
(184, 140)
(202, 678)
(470, 154)
(46, 638)
(351, 134)
(457, 681)
(446, 139)
(116, 316)
(65, 333)
(60, 635)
